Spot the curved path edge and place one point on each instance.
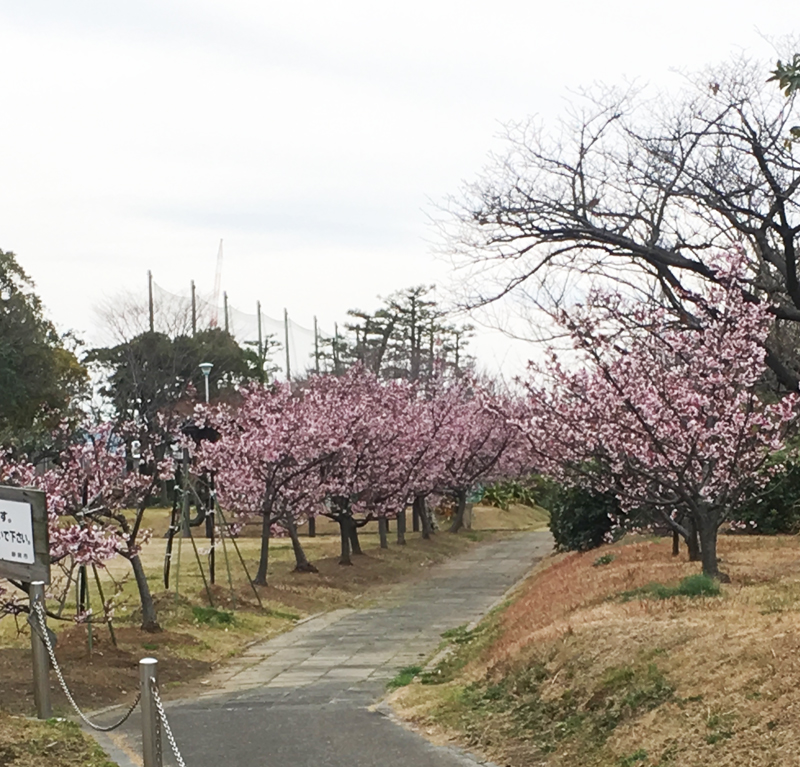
(308, 697)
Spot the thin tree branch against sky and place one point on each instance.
(310, 136)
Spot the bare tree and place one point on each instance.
(126, 315)
(641, 190)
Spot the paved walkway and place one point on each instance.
(304, 697)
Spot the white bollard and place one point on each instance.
(151, 739)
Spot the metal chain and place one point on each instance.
(42, 631)
(165, 725)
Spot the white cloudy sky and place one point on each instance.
(310, 135)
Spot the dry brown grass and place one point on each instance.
(24, 743)
(732, 662)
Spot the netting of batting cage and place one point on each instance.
(173, 315)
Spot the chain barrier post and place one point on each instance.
(151, 733)
(41, 664)
(41, 621)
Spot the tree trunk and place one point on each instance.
(676, 543)
(382, 532)
(149, 618)
(261, 575)
(355, 544)
(401, 528)
(302, 565)
(693, 542)
(312, 527)
(415, 517)
(461, 505)
(421, 509)
(708, 527)
(344, 534)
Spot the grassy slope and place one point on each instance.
(569, 674)
(25, 743)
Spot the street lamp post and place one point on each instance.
(206, 368)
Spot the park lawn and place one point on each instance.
(27, 743)
(195, 636)
(585, 666)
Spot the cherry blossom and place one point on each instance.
(668, 416)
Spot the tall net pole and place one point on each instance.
(316, 345)
(150, 299)
(260, 344)
(336, 348)
(286, 337)
(194, 310)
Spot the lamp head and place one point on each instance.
(206, 367)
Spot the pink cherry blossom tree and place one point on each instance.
(94, 483)
(479, 443)
(371, 475)
(272, 446)
(87, 489)
(668, 416)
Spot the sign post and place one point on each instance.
(41, 663)
(25, 557)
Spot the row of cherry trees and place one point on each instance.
(356, 448)
(670, 416)
(353, 448)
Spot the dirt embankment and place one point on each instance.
(587, 666)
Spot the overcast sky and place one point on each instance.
(310, 136)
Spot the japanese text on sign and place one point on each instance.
(16, 532)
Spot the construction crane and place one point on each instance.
(217, 284)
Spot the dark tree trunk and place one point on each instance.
(401, 528)
(312, 527)
(382, 532)
(461, 505)
(708, 527)
(693, 542)
(421, 513)
(302, 565)
(355, 544)
(676, 543)
(263, 562)
(344, 534)
(415, 520)
(149, 618)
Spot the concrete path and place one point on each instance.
(304, 697)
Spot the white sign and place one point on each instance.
(16, 532)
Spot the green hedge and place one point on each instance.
(579, 518)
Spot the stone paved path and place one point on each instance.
(304, 697)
